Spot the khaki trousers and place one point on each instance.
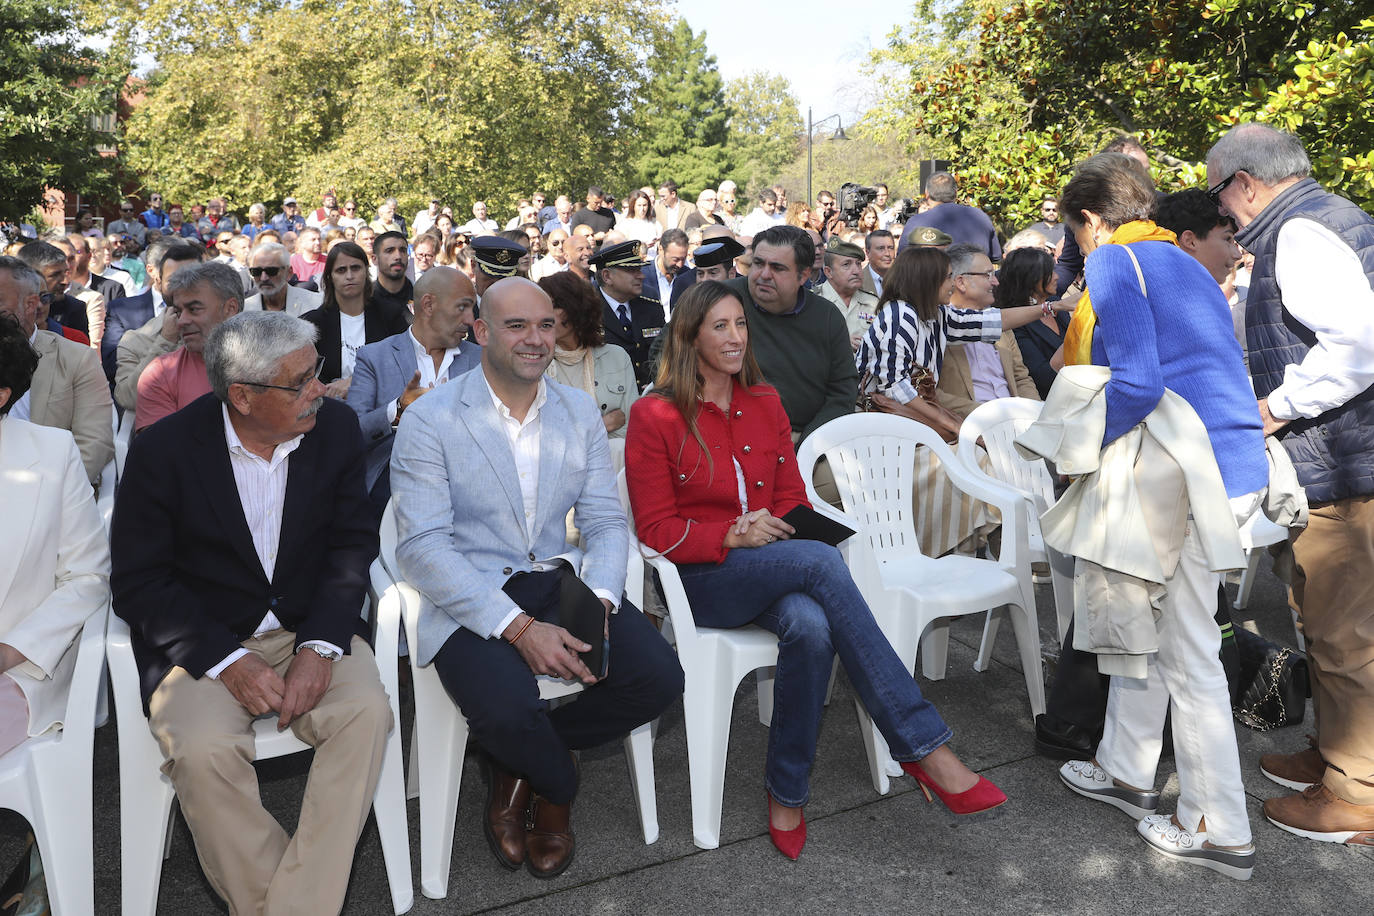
(206, 737)
(1333, 593)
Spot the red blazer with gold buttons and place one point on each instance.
(684, 499)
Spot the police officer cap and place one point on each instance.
(624, 254)
(714, 254)
(495, 256)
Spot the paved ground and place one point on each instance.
(1047, 851)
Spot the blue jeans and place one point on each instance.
(802, 591)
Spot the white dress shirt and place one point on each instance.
(1325, 288)
(262, 493)
(523, 436)
(22, 409)
(665, 290)
(429, 376)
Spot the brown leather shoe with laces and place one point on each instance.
(1319, 814)
(508, 802)
(1295, 771)
(549, 838)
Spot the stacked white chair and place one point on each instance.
(998, 423)
(47, 779)
(146, 794)
(441, 733)
(872, 457)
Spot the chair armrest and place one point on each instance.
(79, 721)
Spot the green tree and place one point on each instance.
(401, 98)
(765, 126)
(1014, 95)
(51, 93)
(683, 116)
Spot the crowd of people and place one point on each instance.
(287, 378)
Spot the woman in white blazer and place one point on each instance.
(54, 555)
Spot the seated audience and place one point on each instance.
(157, 335)
(582, 358)
(1027, 278)
(484, 472)
(68, 390)
(241, 542)
(739, 565)
(844, 287)
(269, 267)
(391, 373)
(349, 318)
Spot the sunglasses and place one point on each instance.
(256, 272)
(1214, 192)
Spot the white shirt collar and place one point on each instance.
(236, 446)
(540, 398)
(615, 306)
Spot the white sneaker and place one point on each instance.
(1168, 838)
(1091, 781)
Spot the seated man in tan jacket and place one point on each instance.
(977, 372)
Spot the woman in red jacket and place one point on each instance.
(711, 472)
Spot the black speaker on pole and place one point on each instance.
(930, 167)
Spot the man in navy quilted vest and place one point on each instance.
(1309, 330)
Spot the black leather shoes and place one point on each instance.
(1062, 740)
(508, 802)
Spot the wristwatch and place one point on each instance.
(329, 655)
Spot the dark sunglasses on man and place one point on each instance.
(256, 272)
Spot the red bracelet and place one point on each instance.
(517, 636)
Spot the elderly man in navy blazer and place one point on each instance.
(241, 542)
(391, 373)
(484, 472)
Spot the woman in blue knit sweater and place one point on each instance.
(1167, 326)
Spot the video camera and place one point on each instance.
(852, 200)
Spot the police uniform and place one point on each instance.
(634, 325)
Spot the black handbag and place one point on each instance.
(1272, 685)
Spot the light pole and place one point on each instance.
(810, 134)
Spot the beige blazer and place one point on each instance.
(684, 210)
(298, 301)
(137, 348)
(69, 392)
(54, 561)
(955, 387)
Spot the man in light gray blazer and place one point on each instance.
(484, 472)
(391, 373)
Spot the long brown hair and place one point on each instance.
(344, 249)
(679, 378)
(915, 278)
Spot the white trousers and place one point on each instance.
(1186, 674)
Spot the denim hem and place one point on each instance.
(786, 803)
(927, 749)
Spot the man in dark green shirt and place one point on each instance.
(800, 340)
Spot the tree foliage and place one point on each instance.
(766, 128)
(1015, 94)
(50, 90)
(378, 98)
(684, 115)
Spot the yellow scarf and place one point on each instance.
(1078, 339)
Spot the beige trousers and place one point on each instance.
(1333, 593)
(206, 737)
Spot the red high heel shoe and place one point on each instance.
(788, 842)
(982, 796)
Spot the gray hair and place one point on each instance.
(25, 277)
(220, 277)
(257, 208)
(39, 255)
(961, 257)
(1270, 156)
(249, 348)
(276, 248)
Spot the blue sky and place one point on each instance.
(819, 46)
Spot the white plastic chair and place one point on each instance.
(998, 423)
(146, 794)
(441, 733)
(47, 779)
(872, 457)
(714, 661)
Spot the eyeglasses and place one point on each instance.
(350, 209)
(1214, 192)
(985, 274)
(126, 209)
(319, 367)
(256, 272)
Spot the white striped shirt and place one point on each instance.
(897, 342)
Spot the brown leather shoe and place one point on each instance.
(508, 802)
(1295, 771)
(1320, 814)
(549, 839)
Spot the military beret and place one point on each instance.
(844, 249)
(930, 236)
